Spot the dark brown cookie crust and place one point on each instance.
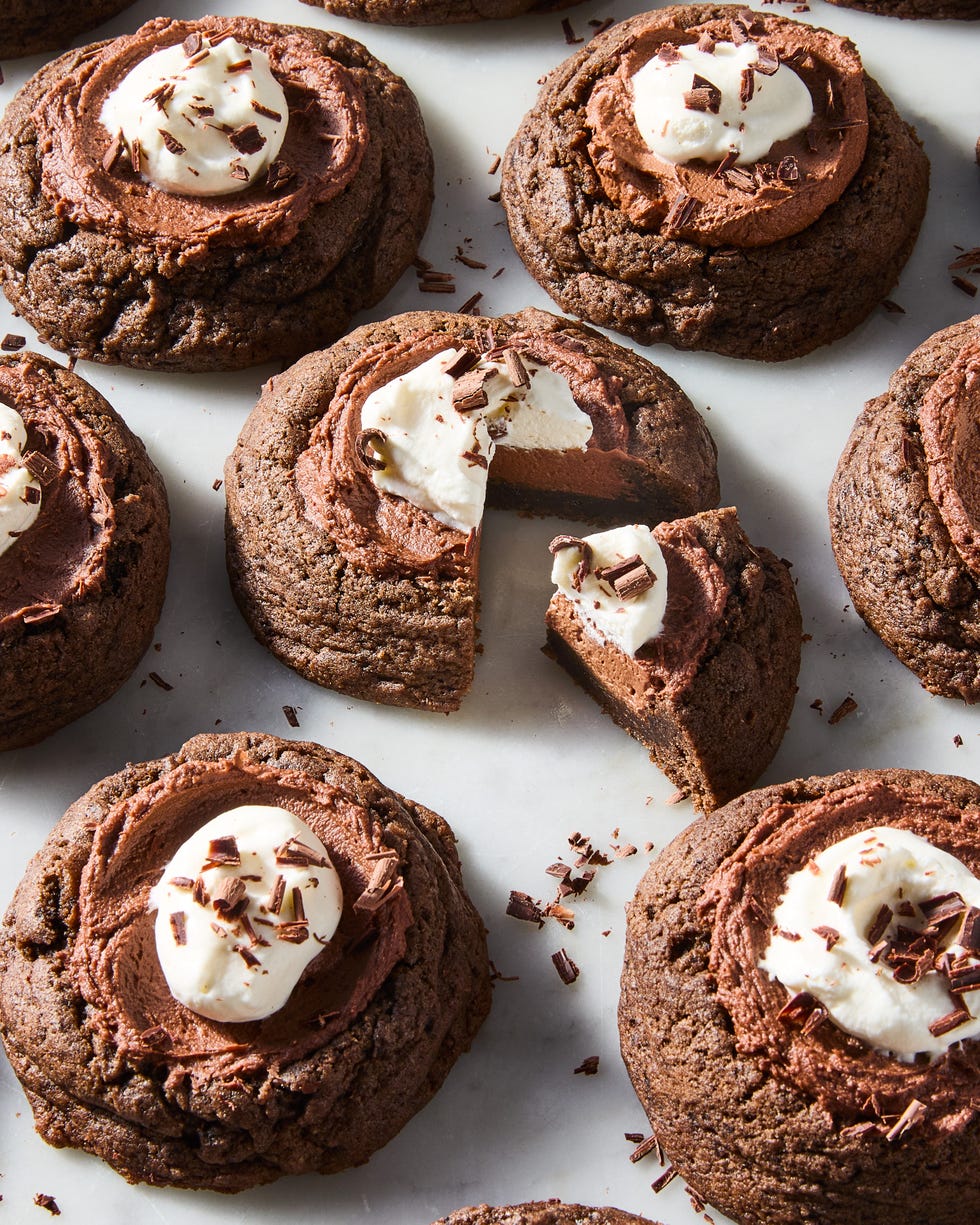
(436, 12)
(769, 303)
(719, 736)
(929, 10)
(546, 1212)
(366, 1083)
(750, 1144)
(59, 670)
(903, 572)
(96, 298)
(396, 639)
(30, 26)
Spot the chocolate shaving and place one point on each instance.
(274, 904)
(706, 44)
(156, 1038)
(47, 1201)
(629, 578)
(516, 370)
(726, 163)
(767, 60)
(380, 886)
(178, 926)
(913, 1113)
(964, 978)
(568, 971)
(522, 906)
(46, 613)
(249, 930)
(740, 179)
(298, 855)
(804, 1010)
(847, 707)
(469, 306)
(31, 496)
(739, 32)
(171, 143)
(278, 175)
(880, 923)
(570, 36)
(942, 907)
(828, 934)
(200, 894)
(680, 211)
(160, 96)
(222, 851)
(297, 932)
(112, 155)
(666, 1177)
(573, 542)
(837, 886)
(11, 344)
(949, 1022)
(465, 362)
(644, 1147)
(291, 717)
(366, 439)
(589, 1066)
(475, 460)
(238, 171)
(239, 65)
(462, 258)
(299, 910)
(266, 111)
(247, 956)
(969, 937)
(192, 44)
(746, 87)
(229, 898)
(160, 683)
(181, 882)
(788, 170)
(468, 391)
(42, 469)
(247, 139)
(703, 95)
(668, 54)
(135, 156)
(966, 286)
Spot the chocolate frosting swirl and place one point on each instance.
(743, 206)
(114, 957)
(948, 419)
(847, 1077)
(325, 142)
(382, 532)
(61, 557)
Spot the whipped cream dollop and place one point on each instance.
(693, 103)
(199, 118)
(430, 434)
(243, 907)
(20, 492)
(883, 930)
(617, 581)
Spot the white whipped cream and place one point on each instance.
(201, 948)
(883, 866)
(18, 508)
(437, 457)
(195, 117)
(779, 108)
(626, 623)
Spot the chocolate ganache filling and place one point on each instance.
(948, 418)
(114, 959)
(727, 202)
(858, 1085)
(386, 533)
(94, 180)
(61, 558)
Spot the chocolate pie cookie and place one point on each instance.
(436, 12)
(716, 179)
(355, 493)
(207, 195)
(799, 1007)
(84, 546)
(905, 513)
(546, 1212)
(30, 26)
(312, 972)
(689, 638)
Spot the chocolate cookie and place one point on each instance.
(763, 244)
(904, 513)
(30, 26)
(167, 1094)
(767, 1107)
(707, 686)
(931, 10)
(436, 12)
(372, 590)
(547, 1212)
(291, 238)
(84, 546)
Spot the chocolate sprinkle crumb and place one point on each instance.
(192, 44)
(468, 391)
(571, 38)
(804, 1010)
(296, 854)
(171, 143)
(160, 683)
(42, 469)
(666, 1177)
(291, 717)
(847, 707)
(266, 111)
(829, 934)
(912, 1114)
(837, 886)
(247, 139)
(644, 1147)
(522, 906)
(568, 971)
(573, 542)
(47, 1201)
(703, 96)
(278, 176)
(746, 86)
(222, 851)
(229, 898)
(11, 343)
(589, 1066)
(178, 926)
(680, 211)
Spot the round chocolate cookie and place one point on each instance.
(363, 591)
(274, 260)
(436, 12)
(765, 1107)
(905, 513)
(82, 579)
(30, 26)
(546, 1212)
(766, 259)
(114, 1064)
(929, 10)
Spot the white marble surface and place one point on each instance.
(529, 759)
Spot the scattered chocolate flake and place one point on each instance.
(570, 36)
(788, 170)
(793, 937)
(31, 496)
(666, 1177)
(469, 392)
(266, 111)
(522, 906)
(582, 569)
(47, 1201)
(475, 460)
(879, 925)
(804, 1010)
(624, 851)
(892, 308)
(913, 1113)
(706, 44)
(297, 932)
(589, 1066)
(247, 139)
(828, 934)
(39, 615)
(561, 870)
(247, 956)
(860, 1129)
(171, 143)
(366, 439)
(381, 884)
(516, 370)
(767, 60)
(135, 156)
(740, 179)
(726, 163)
(958, 740)
(628, 578)
(831, 98)
(969, 937)
(968, 260)
(156, 1038)
(161, 95)
(222, 851)
(113, 154)
(494, 165)
(202, 111)
(278, 175)
(200, 894)
(274, 905)
(739, 33)
(837, 886)
(966, 286)
(942, 907)
(568, 971)
(239, 65)
(178, 926)
(746, 87)
(469, 306)
(847, 707)
(216, 484)
(467, 260)
(643, 1147)
(192, 44)
(42, 469)
(296, 854)
(433, 275)
(229, 898)
(11, 343)
(299, 910)
(667, 53)
(238, 171)
(678, 797)
(181, 882)
(160, 683)
(680, 211)
(291, 717)
(600, 27)
(952, 1020)
(703, 95)
(634, 1137)
(964, 978)
(253, 936)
